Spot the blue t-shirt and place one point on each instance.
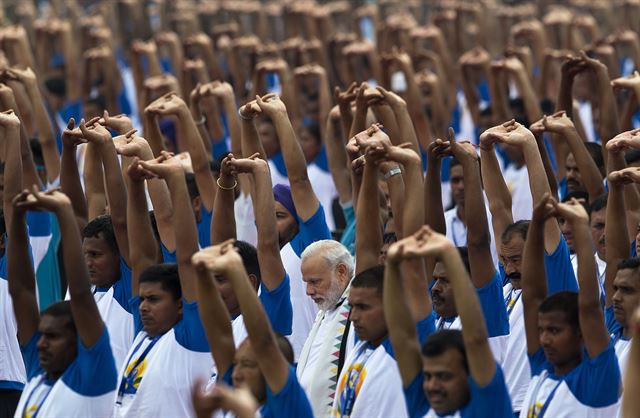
(204, 228)
(490, 401)
(313, 229)
(168, 256)
(80, 375)
(348, 238)
(188, 330)
(277, 306)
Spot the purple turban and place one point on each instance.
(282, 194)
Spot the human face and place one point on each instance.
(247, 372)
(567, 233)
(445, 381)
(287, 225)
(159, 311)
(102, 262)
(228, 295)
(457, 184)
(444, 302)
(309, 144)
(367, 314)
(626, 295)
(323, 285)
(597, 223)
(269, 138)
(574, 180)
(57, 346)
(511, 259)
(561, 342)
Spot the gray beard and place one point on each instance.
(333, 296)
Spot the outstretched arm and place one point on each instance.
(223, 222)
(534, 283)
(170, 169)
(631, 395)
(213, 312)
(592, 325)
(304, 198)
(69, 176)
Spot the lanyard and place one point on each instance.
(442, 322)
(26, 405)
(128, 379)
(532, 405)
(353, 381)
(511, 301)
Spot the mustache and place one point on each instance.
(514, 276)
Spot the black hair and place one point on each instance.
(453, 162)
(249, 256)
(565, 302)
(61, 310)
(36, 151)
(439, 342)
(98, 101)
(314, 130)
(547, 106)
(371, 278)
(285, 347)
(102, 227)
(167, 275)
(598, 204)
(595, 151)
(521, 228)
(629, 263)
(192, 186)
(632, 156)
(57, 86)
(389, 238)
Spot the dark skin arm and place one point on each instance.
(223, 222)
(69, 176)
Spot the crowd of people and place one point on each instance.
(308, 208)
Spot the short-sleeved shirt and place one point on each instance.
(77, 393)
(591, 389)
(621, 343)
(495, 316)
(491, 400)
(204, 228)
(158, 373)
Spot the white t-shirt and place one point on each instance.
(12, 369)
(325, 190)
(245, 220)
(515, 366)
(157, 376)
(591, 389)
(517, 180)
(457, 231)
(85, 389)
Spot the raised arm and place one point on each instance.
(116, 190)
(478, 236)
(216, 321)
(223, 222)
(337, 156)
(631, 395)
(143, 248)
(271, 361)
(304, 198)
(525, 87)
(592, 325)
(534, 283)
(184, 223)
(271, 268)
(69, 175)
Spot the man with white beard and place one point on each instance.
(327, 270)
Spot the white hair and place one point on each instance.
(333, 253)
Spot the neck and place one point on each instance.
(626, 332)
(378, 341)
(516, 284)
(53, 376)
(562, 369)
(460, 213)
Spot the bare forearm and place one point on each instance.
(337, 158)
(94, 182)
(434, 212)
(368, 231)
(143, 249)
(223, 222)
(12, 171)
(70, 182)
(589, 171)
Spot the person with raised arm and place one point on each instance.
(66, 345)
(451, 372)
(573, 363)
(274, 385)
(170, 345)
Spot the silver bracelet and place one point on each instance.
(201, 121)
(242, 116)
(391, 173)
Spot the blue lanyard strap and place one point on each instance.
(352, 382)
(547, 402)
(26, 405)
(510, 302)
(128, 379)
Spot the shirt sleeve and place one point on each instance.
(90, 362)
(278, 307)
(189, 330)
(610, 320)
(313, 229)
(30, 356)
(414, 397)
(204, 228)
(598, 382)
(290, 401)
(557, 266)
(122, 288)
(168, 256)
(493, 307)
(489, 400)
(134, 306)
